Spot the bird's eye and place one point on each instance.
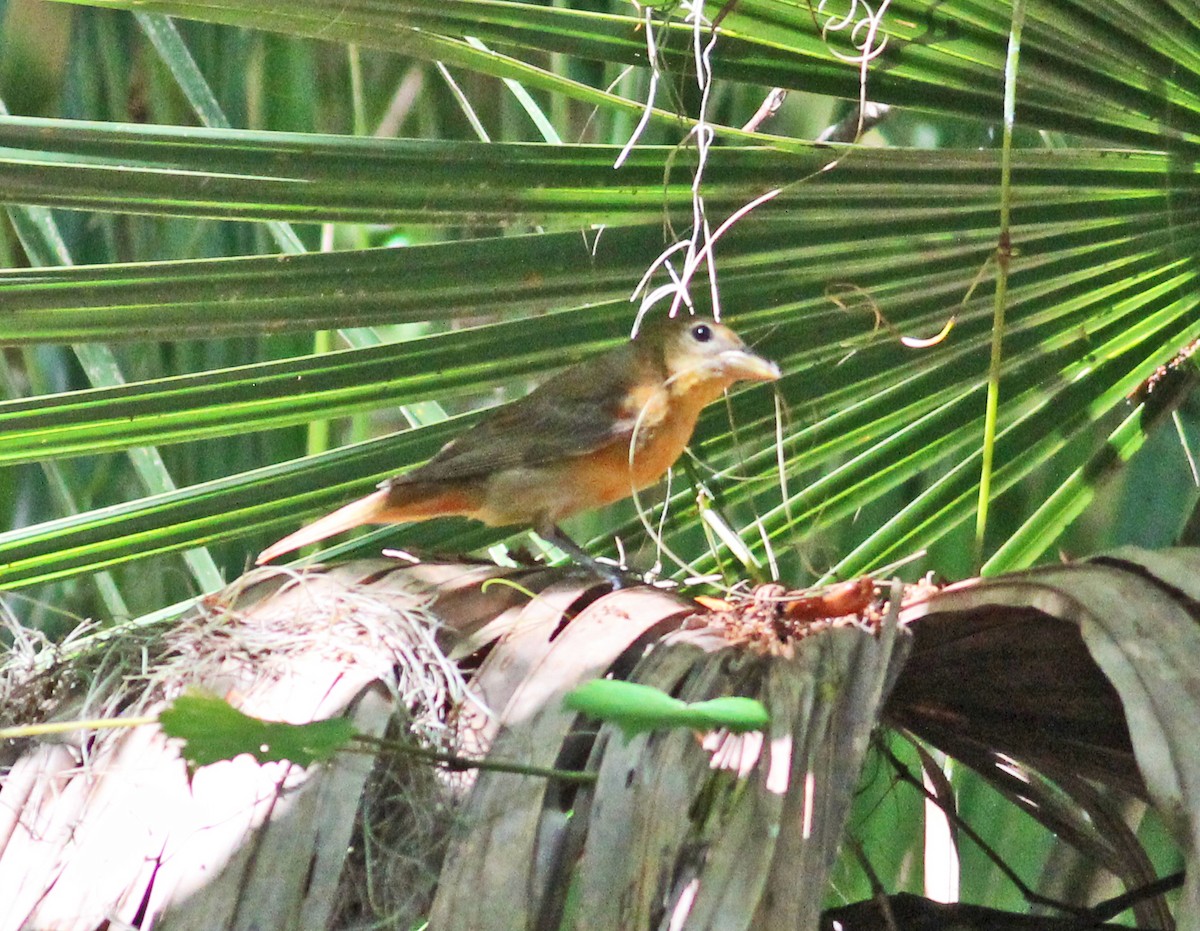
(702, 333)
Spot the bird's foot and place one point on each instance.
(617, 576)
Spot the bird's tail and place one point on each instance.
(373, 509)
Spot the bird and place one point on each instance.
(595, 433)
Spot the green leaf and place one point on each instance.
(636, 709)
(213, 730)
(731, 712)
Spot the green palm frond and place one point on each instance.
(881, 443)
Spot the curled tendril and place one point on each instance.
(833, 24)
(864, 25)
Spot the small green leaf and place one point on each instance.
(732, 713)
(213, 730)
(636, 708)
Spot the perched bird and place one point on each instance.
(592, 434)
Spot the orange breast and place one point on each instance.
(664, 418)
(663, 428)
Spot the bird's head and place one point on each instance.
(698, 351)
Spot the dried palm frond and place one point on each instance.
(1025, 677)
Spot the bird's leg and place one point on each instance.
(615, 575)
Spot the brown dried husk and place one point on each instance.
(678, 830)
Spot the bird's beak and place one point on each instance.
(743, 364)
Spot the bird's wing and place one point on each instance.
(578, 411)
